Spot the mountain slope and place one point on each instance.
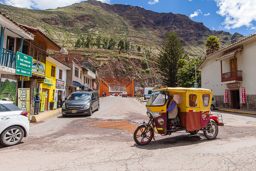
(144, 27)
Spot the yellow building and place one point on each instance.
(48, 87)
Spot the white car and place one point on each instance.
(14, 124)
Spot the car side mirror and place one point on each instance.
(93, 98)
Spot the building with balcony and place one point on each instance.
(229, 73)
(43, 79)
(12, 37)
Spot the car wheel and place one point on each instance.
(12, 136)
(90, 112)
(64, 115)
(98, 108)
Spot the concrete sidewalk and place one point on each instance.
(46, 114)
(238, 111)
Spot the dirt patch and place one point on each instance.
(122, 125)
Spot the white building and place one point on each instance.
(61, 79)
(230, 74)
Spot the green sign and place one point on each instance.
(24, 64)
(195, 85)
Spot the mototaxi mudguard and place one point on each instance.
(215, 118)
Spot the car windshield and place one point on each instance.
(157, 98)
(80, 96)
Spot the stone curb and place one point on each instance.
(235, 111)
(47, 114)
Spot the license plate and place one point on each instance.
(73, 111)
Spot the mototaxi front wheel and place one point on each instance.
(212, 130)
(143, 135)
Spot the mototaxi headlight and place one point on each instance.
(87, 106)
(155, 114)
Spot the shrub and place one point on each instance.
(84, 54)
(124, 70)
(144, 63)
(147, 71)
(142, 71)
(98, 55)
(126, 60)
(118, 58)
(142, 85)
(130, 67)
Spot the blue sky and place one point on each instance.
(228, 15)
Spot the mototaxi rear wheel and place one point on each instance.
(143, 135)
(212, 130)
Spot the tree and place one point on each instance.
(89, 41)
(126, 45)
(120, 45)
(78, 43)
(105, 43)
(170, 52)
(138, 48)
(111, 44)
(186, 74)
(212, 44)
(98, 41)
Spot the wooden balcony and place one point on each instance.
(232, 76)
(8, 59)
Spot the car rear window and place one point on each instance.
(10, 107)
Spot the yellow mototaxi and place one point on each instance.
(192, 114)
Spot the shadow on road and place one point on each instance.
(73, 116)
(174, 141)
(3, 147)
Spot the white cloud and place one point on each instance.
(195, 14)
(207, 14)
(190, 0)
(44, 4)
(237, 13)
(153, 2)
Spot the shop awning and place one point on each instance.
(229, 55)
(75, 83)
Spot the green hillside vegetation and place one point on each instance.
(8, 90)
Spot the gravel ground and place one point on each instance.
(76, 143)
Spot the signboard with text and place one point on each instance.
(226, 96)
(60, 84)
(48, 81)
(242, 95)
(38, 67)
(43, 102)
(24, 64)
(24, 100)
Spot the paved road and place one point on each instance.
(74, 143)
